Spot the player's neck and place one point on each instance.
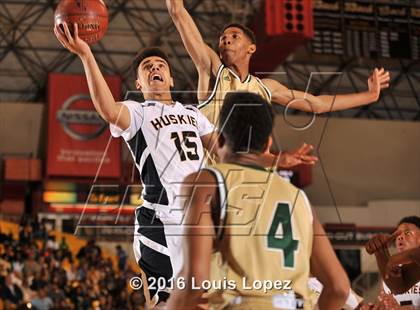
(241, 70)
(248, 159)
(165, 97)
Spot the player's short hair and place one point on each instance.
(415, 220)
(246, 121)
(146, 53)
(248, 32)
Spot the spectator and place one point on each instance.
(48, 284)
(25, 234)
(41, 301)
(122, 258)
(3, 237)
(11, 292)
(51, 244)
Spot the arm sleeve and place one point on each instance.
(136, 120)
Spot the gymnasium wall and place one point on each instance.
(384, 213)
(360, 160)
(22, 129)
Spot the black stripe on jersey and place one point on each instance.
(188, 107)
(216, 84)
(138, 145)
(219, 212)
(153, 191)
(406, 303)
(148, 104)
(266, 90)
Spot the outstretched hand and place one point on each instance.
(71, 42)
(378, 80)
(300, 156)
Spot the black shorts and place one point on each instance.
(152, 255)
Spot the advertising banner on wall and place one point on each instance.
(79, 142)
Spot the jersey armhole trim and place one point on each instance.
(265, 88)
(221, 186)
(307, 204)
(216, 84)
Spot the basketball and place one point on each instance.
(91, 17)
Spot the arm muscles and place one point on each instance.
(113, 112)
(326, 267)
(198, 234)
(204, 58)
(317, 104)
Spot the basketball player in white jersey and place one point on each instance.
(166, 141)
(401, 272)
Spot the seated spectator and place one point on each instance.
(47, 284)
(11, 293)
(25, 234)
(122, 258)
(41, 301)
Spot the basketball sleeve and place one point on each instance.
(204, 125)
(136, 120)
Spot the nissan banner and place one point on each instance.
(79, 142)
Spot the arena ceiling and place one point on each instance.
(29, 51)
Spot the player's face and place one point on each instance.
(153, 75)
(234, 46)
(409, 239)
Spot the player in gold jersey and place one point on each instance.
(265, 236)
(230, 68)
(237, 44)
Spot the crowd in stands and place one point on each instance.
(37, 272)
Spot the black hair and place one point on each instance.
(148, 52)
(246, 121)
(248, 32)
(415, 220)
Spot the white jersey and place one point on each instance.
(165, 143)
(409, 298)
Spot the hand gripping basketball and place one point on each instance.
(91, 16)
(71, 42)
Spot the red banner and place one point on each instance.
(79, 142)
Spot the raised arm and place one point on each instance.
(328, 270)
(325, 103)
(205, 59)
(111, 111)
(198, 240)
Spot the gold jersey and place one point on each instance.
(227, 81)
(264, 235)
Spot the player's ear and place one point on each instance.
(138, 85)
(252, 49)
(172, 82)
